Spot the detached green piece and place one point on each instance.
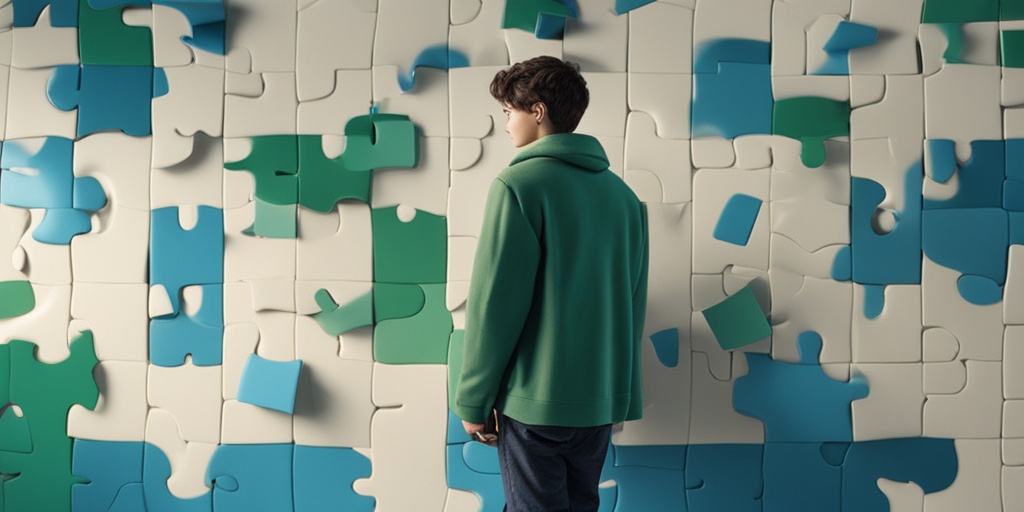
(336, 320)
(379, 140)
(16, 298)
(419, 339)
(274, 220)
(45, 392)
(528, 14)
(1011, 46)
(811, 120)
(959, 11)
(103, 38)
(273, 162)
(409, 252)
(325, 181)
(738, 320)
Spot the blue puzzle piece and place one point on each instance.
(737, 100)
(724, 477)
(973, 241)
(487, 486)
(269, 384)
(107, 467)
(156, 469)
(60, 225)
(178, 257)
(1013, 187)
(666, 346)
(798, 476)
(201, 335)
(815, 407)
(63, 13)
(43, 179)
(980, 179)
(847, 36)
(107, 97)
(247, 477)
(886, 258)
(646, 487)
(712, 53)
(928, 462)
(323, 476)
(737, 219)
(439, 57)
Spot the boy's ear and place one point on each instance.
(539, 111)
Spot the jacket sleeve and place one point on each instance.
(500, 295)
(636, 402)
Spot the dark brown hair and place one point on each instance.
(555, 83)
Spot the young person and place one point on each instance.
(557, 299)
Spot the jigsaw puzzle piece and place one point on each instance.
(37, 173)
(886, 256)
(379, 140)
(801, 476)
(410, 246)
(894, 407)
(250, 477)
(120, 412)
(197, 334)
(336, 318)
(206, 20)
(156, 470)
(194, 103)
(978, 478)
(666, 384)
(961, 103)
(928, 462)
(421, 338)
(192, 395)
(330, 25)
(105, 39)
(732, 98)
(597, 40)
(978, 182)
(724, 476)
(336, 246)
(45, 322)
(324, 181)
(113, 474)
(425, 187)
(272, 108)
(352, 91)
(660, 41)
(108, 97)
(403, 30)
(711, 191)
(646, 151)
(273, 161)
(45, 392)
(801, 418)
(473, 33)
(984, 230)
(333, 406)
(894, 333)
(411, 459)
(183, 252)
(975, 412)
(33, 115)
(713, 419)
(270, 384)
(811, 120)
(316, 473)
(738, 320)
(265, 29)
(473, 467)
(46, 42)
(544, 18)
(647, 478)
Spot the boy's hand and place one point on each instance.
(476, 431)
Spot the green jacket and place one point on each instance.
(556, 306)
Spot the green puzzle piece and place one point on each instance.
(274, 165)
(738, 320)
(45, 392)
(811, 120)
(103, 38)
(455, 343)
(419, 339)
(325, 181)
(1011, 45)
(959, 11)
(16, 298)
(523, 14)
(392, 301)
(379, 140)
(274, 220)
(336, 320)
(409, 252)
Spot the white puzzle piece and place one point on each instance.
(120, 412)
(192, 395)
(893, 408)
(117, 316)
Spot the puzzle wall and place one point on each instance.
(237, 240)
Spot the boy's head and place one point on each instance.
(554, 84)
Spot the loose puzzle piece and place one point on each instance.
(818, 409)
(738, 320)
(336, 319)
(44, 393)
(737, 219)
(545, 18)
(270, 384)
